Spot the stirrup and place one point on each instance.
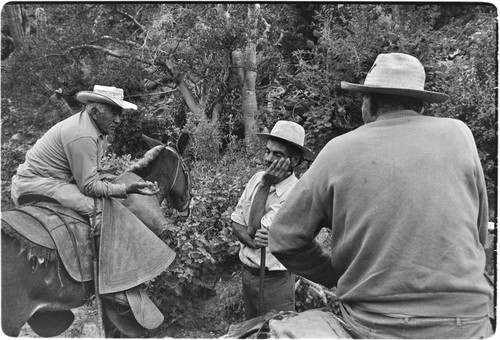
(118, 297)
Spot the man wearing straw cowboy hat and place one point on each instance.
(405, 198)
(261, 199)
(64, 163)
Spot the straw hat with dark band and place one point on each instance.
(398, 74)
(291, 133)
(107, 95)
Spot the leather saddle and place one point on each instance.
(46, 223)
(55, 227)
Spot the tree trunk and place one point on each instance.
(14, 14)
(249, 97)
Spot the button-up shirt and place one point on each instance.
(71, 150)
(241, 215)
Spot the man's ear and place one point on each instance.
(373, 107)
(93, 113)
(295, 160)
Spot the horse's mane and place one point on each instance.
(146, 159)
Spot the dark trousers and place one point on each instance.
(279, 292)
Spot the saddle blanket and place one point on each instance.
(41, 223)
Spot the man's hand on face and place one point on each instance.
(143, 188)
(277, 171)
(260, 239)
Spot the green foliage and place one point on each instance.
(205, 246)
(461, 63)
(12, 156)
(206, 140)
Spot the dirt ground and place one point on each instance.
(84, 326)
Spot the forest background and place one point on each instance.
(223, 72)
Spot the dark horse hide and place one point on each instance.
(37, 289)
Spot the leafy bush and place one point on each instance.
(206, 140)
(12, 156)
(205, 246)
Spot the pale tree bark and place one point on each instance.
(249, 96)
(17, 23)
(243, 69)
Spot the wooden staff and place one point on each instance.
(262, 277)
(93, 244)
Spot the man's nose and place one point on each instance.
(117, 119)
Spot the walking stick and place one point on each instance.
(262, 277)
(93, 239)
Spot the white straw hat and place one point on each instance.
(291, 133)
(399, 74)
(105, 94)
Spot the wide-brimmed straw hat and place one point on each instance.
(107, 95)
(398, 74)
(291, 133)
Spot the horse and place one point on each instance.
(42, 294)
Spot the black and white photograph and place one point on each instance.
(249, 170)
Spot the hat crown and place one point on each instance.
(105, 94)
(289, 131)
(396, 70)
(396, 74)
(111, 92)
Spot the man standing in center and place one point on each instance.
(259, 203)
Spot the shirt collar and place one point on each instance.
(285, 184)
(398, 114)
(86, 115)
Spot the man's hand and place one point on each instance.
(277, 171)
(260, 239)
(143, 188)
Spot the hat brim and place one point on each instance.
(427, 96)
(306, 153)
(88, 96)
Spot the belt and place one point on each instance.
(256, 271)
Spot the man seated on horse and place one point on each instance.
(261, 199)
(64, 163)
(405, 198)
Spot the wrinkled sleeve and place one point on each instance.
(242, 209)
(483, 212)
(82, 157)
(306, 210)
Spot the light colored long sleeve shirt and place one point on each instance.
(241, 215)
(70, 150)
(405, 198)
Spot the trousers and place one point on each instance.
(67, 194)
(279, 292)
(368, 325)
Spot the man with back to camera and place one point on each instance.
(405, 198)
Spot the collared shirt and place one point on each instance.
(241, 215)
(71, 150)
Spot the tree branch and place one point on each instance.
(134, 20)
(122, 42)
(117, 54)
